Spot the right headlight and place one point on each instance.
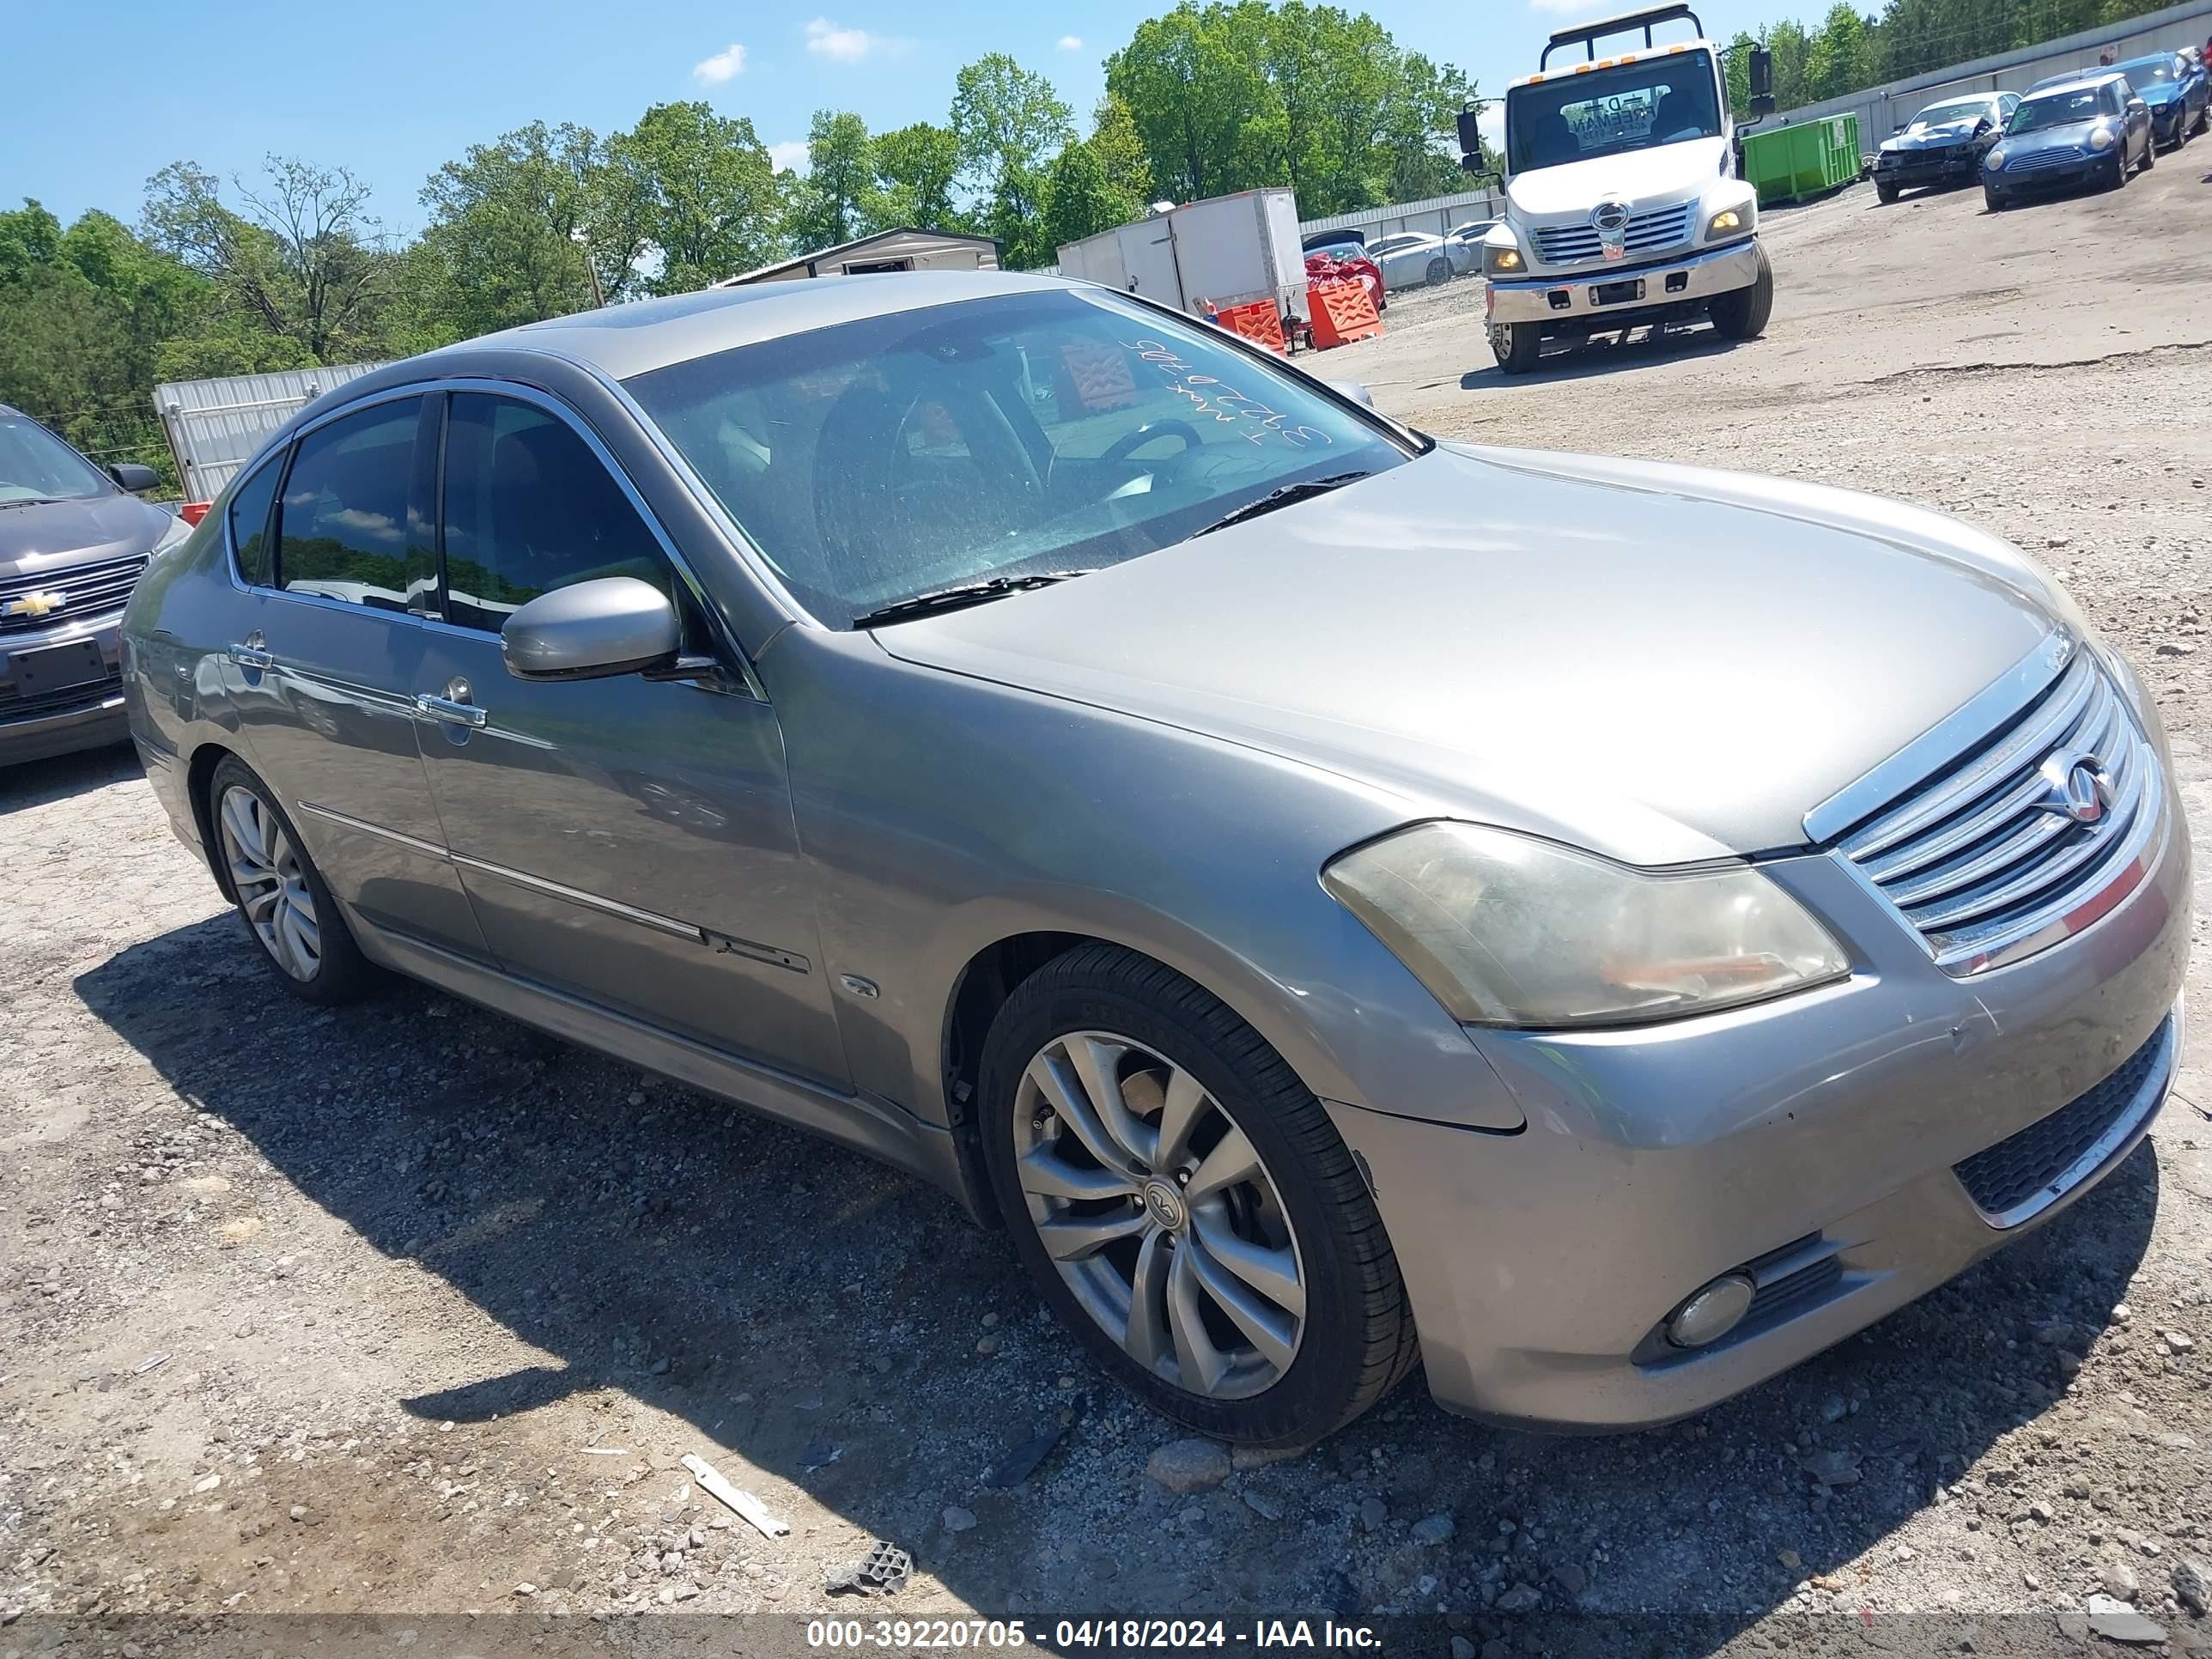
(2100, 138)
(1995, 159)
(1508, 930)
(1502, 261)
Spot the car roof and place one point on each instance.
(623, 340)
(2083, 82)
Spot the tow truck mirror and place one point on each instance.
(1761, 71)
(1470, 139)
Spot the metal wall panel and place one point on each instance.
(214, 425)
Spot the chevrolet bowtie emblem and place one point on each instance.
(34, 604)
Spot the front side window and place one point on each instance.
(1667, 99)
(346, 528)
(1042, 433)
(37, 466)
(249, 521)
(529, 509)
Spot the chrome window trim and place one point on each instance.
(575, 423)
(1944, 742)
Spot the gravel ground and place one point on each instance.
(408, 1309)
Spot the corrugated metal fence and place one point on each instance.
(214, 425)
(1434, 215)
(1882, 109)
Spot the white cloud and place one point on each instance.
(792, 154)
(1490, 121)
(724, 66)
(839, 46)
(1071, 43)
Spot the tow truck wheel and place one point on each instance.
(1517, 346)
(1742, 313)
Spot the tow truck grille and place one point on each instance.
(1647, 233)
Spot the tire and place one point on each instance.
(1741, 314)
(1991, 200)
(1517, 346)
(2203, 120)
(1887, 193)
(281, 898)
(1102, 1019)
(1439, 271)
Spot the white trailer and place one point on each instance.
(1226, 250)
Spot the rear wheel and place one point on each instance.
(1439, 271)
(1517, 346)
(279, 893)
(1186, 1206)
(1741, 314)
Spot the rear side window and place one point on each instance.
(529, 509)
(249, 521)
(346, 530)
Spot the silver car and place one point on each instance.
(1608, 944)
(1411, 258)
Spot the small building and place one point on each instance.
(902, 248)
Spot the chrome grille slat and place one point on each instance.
(92, 589)
(1971, 860)
(2033, 738)
(1647, 232)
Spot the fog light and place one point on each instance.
(1711, 1313)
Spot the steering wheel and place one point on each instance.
(1130, 442)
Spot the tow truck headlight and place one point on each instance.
(1508, 930)
(1725, 221)
(1501, 261)
(2101, 137)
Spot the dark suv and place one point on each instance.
(73, 541)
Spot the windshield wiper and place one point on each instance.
(967, 593)
(1282, 498)
(32, 501)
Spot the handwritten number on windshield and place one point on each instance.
(1208, 395)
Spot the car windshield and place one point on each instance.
(1033, 434)
(1942, 115)
(2059, 109)
(37, 466)
(2148, 71)
(1667, 99)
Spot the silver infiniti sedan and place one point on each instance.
(1607, 930)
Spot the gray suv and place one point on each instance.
(73, 540)
(1605, 930)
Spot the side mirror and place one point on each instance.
(1353, 389)
(593, 631)
(1470, 138)
(1760, 74)
(2136, 107)
(134, 478)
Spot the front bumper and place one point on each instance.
(1585, 297)
(2168, 119)
(1910, 169)
(1812, 1138)
(40, 725)
(2091, 166)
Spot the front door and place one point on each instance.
(628, 840)
(322, 672)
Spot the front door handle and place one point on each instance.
(253, 653)
(454, 709)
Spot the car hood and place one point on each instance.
(2165, 92)
(1658, 177)
(1659, 663)
(2074, 136)
(1937, 137)
(55, 535)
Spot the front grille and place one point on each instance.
(89, 590)
(13, 708)
(2054, 1154)
(1647, 233)
(2036, 160)
(1979, 867)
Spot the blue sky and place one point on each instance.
(392, 88)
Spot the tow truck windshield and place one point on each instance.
(1665, 99)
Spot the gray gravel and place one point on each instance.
(443, 1302)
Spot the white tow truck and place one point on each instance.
(1623, 205)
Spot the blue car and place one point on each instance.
(2094, 130)
(2175, 89)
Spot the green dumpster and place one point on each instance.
(1791, 163)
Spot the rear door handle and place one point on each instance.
(451, 712)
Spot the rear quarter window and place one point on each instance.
(248, 516)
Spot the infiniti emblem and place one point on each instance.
(2078, 787)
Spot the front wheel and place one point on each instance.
(1517, 346)
(1185, 1206)
(1887, 193)
(2150, 151)
(279, 893)
(1991, 200)
(1742, 313)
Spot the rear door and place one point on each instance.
(326, 653)
(628, 840)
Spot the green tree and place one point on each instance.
(705, 198)
(837, 200)
(1009, 121)
(1841, 58)
(915, 168)
(1121, 149)
(1191, 95)
(1080, 200)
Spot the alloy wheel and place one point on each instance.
(272, 887)
(1159, 1214)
